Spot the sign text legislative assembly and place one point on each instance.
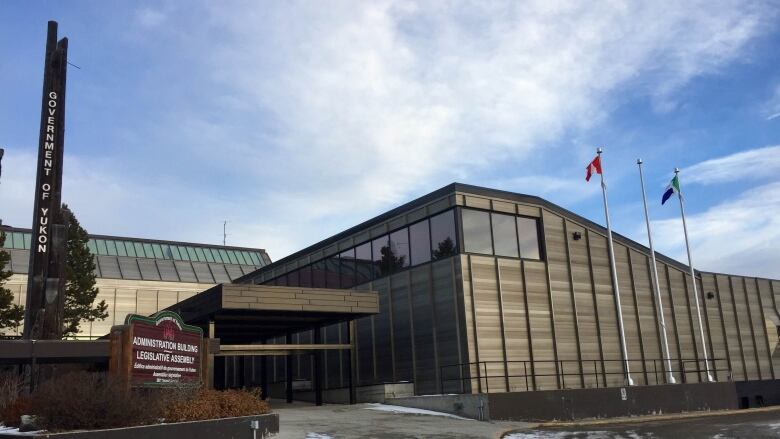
(161, 351)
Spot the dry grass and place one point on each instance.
(213, 404)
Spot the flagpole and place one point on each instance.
(629, 381)
(656, 287)
(693, 277)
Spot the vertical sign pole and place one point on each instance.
(693, 278)
(629, 381)
(45, 285)
(656, 287)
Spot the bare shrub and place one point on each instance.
(213, 404)
(91, 400)
(11, 386)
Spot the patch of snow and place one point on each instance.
(539, 434)
(13, 431)
(411, 411)
(318, 436)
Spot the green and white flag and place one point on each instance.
(673, 188)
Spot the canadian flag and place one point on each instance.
(593, 167)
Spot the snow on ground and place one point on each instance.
(537, 434)
(16, 432)
(411, 411)
(318, 436)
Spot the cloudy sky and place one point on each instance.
(296, 120)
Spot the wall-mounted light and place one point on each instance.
(710, 295)
(577, 236)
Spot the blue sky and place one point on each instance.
(296, 120)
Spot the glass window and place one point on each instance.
(148, 250)
(476, 232)
(444, 242)
(175, 253)
(332, 271)
(157, 251)
(191, 253)
(398, 257)
(92, 246)
(111, 247)
(255, 259)
(20, 240)
(101, 246)
(224, 255)
(209, 255)
(528, 234)
(242, 259)
(27, 238)
(318, 274)
(292, 278)
(363, 264)
(201, 255)
(247, 258)
(305, 276)
(380, 250)
(420, 242)
(130, 249)
(504, 235)
(347, 269)
(167, 253)
(120, 248)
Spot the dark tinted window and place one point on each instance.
(476, 232)
(380, 250)
(305, 276)
(443, 240)
(528, 234)
(363, 263)
(318, 274)
(398, 258)
(292, 279)
(504, 235)
(347, 265)
(420, 242)
(332, 271)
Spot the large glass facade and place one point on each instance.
(432, 238)
(476, 232)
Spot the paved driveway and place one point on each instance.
(299, 420)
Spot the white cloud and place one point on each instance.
(747, 165)
(739, 236)
(148, 17)
(369, 102)
(330, 112)
(772, 107)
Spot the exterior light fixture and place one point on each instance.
(577, 236)
(710, 295)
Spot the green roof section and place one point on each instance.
(153, 249)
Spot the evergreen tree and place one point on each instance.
(10, 313)
(80, 291)
(445, 248)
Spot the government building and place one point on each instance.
(482, 290)
(479, 291)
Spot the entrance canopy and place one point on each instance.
(246, 313)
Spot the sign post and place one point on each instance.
(46, 280)
(157, 351)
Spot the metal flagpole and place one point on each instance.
(629, 381)
(693, 277)
(656, 287)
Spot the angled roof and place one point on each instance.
(150, 259)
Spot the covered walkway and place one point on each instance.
(240, 318)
